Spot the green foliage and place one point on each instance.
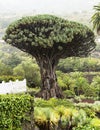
(49, 38)
(69, 94)
(96, 85)
(86, 127)
(35, 33)
(79, 64)
(53, 102)
(16, 63)
(29, 70)
(92, 122)
(5, 69)
(33, 91)
(45, 117)
(8, 78)
(13, 110)
(73, 83)
(12, 61)
(90, 108)
(10, 56)
(96, 18)
(59, 115)
(96, 122)
(79, 83)
(65, 81)
(18, 70)
(90, 91)
(50, 111)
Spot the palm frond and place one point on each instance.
(95, 19)
(97, 7)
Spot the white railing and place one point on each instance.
(13, 87)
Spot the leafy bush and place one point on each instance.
(69, 94)
(95, 122)
(79, 83)
(92, 109)
(7, 78)
(13, 110)
(53, 102)
(30, 71)
(79, 64)
(56, 115)
(86, 127)
(5, 69)
(96, 85)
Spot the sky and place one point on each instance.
(47, 6)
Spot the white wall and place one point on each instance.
(13, 87)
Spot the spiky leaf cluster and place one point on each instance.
(50, 35)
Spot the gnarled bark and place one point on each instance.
(49, 86)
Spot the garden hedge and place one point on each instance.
(14, 109)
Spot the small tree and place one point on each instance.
(49, 38)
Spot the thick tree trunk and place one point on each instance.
(49, 87)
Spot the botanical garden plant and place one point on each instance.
(62, 117)
(49, 38)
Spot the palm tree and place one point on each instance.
(96, 19)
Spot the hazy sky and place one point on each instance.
(47, 6)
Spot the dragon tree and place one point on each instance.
(49, 38)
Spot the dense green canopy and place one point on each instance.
(50, 35)
(49, 38)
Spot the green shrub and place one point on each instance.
(69, 94)
(79, 64)
(63, 114)
(8, 78)
(13, 110)
(86, 127)
(30, 71)
(53, 102)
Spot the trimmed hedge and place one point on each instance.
(14, 109)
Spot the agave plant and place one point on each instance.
(45, 118)
(66, 118)
(55, 115)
